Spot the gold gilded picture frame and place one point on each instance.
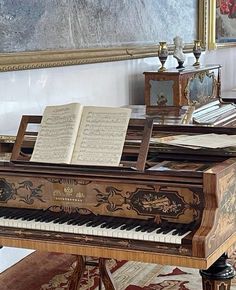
(221, 24)
(19, 50)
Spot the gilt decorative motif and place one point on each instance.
(200, 88)
(69, 181)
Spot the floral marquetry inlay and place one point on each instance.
(114, 198)
(23, 191)
(163, 203)
(227, 208)
(168, 203)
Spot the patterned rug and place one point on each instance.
(141, 276)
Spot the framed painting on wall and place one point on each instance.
(42, 33)
(222, 23)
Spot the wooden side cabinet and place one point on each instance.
(190, 86)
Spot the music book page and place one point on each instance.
(88, 135)
(101, 136)
(57, 135)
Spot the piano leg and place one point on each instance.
(105, 275)
(104, 272)
(218, 276)
(79, 272)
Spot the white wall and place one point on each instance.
(227, 58)
(107, 84)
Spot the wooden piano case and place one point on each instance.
(154, 183)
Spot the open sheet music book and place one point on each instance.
(87, 135)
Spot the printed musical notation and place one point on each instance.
(81, 135)
(101, 136)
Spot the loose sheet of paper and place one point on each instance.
(10, 256)
(203, 140)
(101, 136)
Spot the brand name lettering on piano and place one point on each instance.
(68, 195)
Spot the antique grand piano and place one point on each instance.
(163, 204)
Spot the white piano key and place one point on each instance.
(132, 234)
(98, 231)
(169, 236)
(179, 238)
(151, 236)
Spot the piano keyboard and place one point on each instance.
(213, 113)
(104, 226)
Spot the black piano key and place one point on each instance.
(90, 220)
(113, 225)
(46, 217)
(4, 211)
(10, 214)
(17, 215)
(61, 218)
(88, 224)
(175, 233)
(163, 226)
(43, 216)
(166, 231)
(20, 214)
(108, 223)
(53, 218)
(145, 228)
(126, 224)
(117, 225)
(32, 215)
(98, 222)
(177, 228)
(65, 219)
(141, 226)
(130, 227)
(77, 220)
(13, 214)
(83, 221)
(152, 228)
(123, 226)
(183, 231)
